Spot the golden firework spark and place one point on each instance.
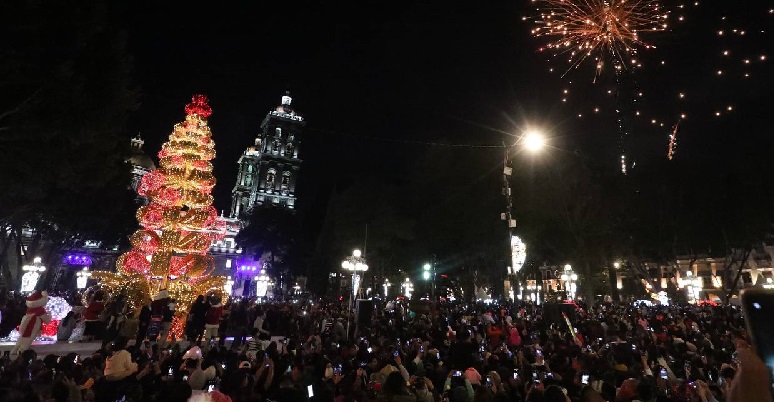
(673, 141)
(583, 29)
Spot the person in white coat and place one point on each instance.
(119, 365)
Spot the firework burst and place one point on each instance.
(593, 29)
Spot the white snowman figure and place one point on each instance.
(32, 321)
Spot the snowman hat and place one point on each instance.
(37, 299)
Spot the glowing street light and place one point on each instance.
(228, 286)
(408, 287)
(32, 275)
(82, 278)
(534, 141)
(569, 277)
(354, 263)
(386, 287)
(262, 284)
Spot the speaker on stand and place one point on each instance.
(363, 311)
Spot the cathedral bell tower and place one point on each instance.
(269, 168)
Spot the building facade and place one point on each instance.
(141, 164)
(268, 169)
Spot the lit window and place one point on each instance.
(270, 178)
(285, 180)
(278, 132)
(289, 149)
(228, 263)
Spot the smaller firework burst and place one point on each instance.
(673, 141)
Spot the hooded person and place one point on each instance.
(32, 322)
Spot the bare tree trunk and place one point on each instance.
(7, 239)
(735, 284)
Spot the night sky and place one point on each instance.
(381, 82)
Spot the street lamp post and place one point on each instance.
(408, 287)
(428, 271)
(31, 275)
(694, 286)
(354, 263)
(228, 287)
(533, 141)
(261, 284)
(613, 278)
(82, 278)
(569, 277)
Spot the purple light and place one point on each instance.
(78, 259)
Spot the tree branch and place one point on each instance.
(19, 107)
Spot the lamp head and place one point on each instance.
(534, 141)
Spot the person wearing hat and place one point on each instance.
(31, 323)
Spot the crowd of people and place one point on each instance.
(243, 351)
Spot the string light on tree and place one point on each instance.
(178, 225)
(518, 253)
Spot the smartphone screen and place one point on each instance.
(458, 373)
(516, 374)
(309, 391)
(211, 388)
(585, 379)
(758, 307)
(664, 374)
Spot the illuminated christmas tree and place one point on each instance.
(178, 224)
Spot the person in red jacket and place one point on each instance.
(212, 321)
(514, 339)
(494, 332)
(92, 317)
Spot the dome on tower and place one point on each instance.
(138, 157)
(285, 107)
